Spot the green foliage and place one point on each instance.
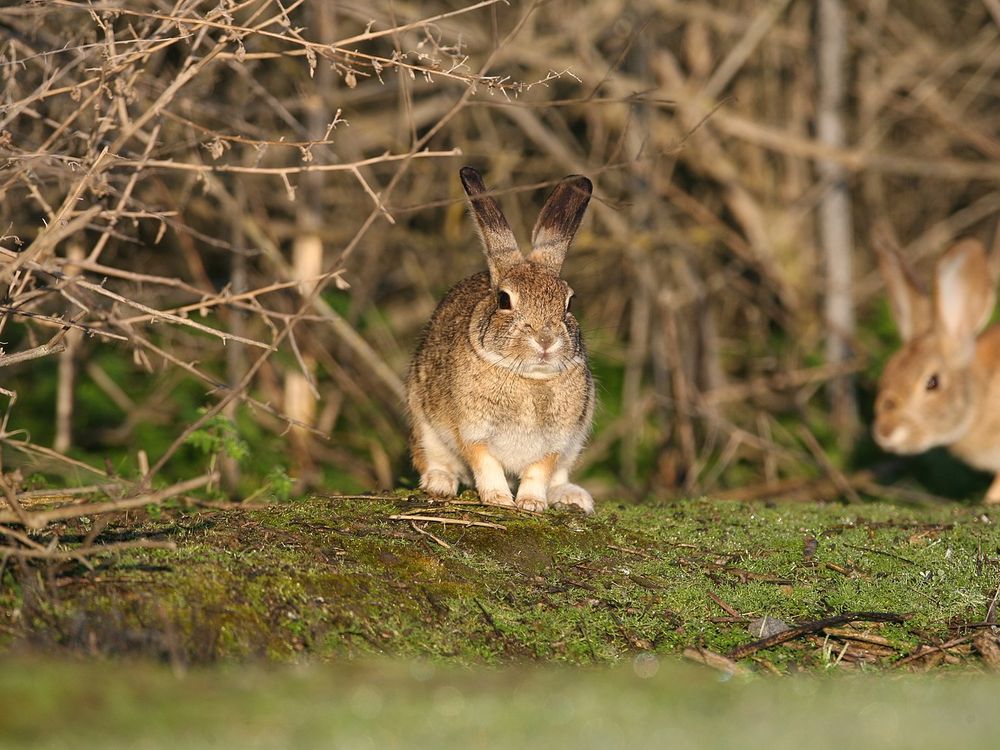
(219, 436)
(279, 483)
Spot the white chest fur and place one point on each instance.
(517, 448)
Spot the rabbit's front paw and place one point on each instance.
(993, 493)
(497, 497)
(572, 495)
(439, 483)
(531, 503)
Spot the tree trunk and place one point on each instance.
(67, 369)
(835, 223)
(300, 398)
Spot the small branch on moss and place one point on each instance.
(797, 631)
(446, 508)
(97, 549)
(436, 538)
(361, 497)
(630, 551)
(41, 519)
(880, 552)
(727, 608)
(715, 661)
(922, 651)
(456, 521)
(489, 618)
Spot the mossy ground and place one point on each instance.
(330, 577)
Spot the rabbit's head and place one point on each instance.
(524, 323)
(927, 393)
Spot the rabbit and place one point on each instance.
(500, 384)
(942, 388)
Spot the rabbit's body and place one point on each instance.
(979, 445)
(942, 388)
(526, 417)
(499, 385)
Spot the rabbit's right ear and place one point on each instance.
(498, 238)
(910, 303)
(558, 221)
(965, 294)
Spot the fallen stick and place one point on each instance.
(924, 650)
(39, 519)
(97, 549)
(714, 660)
(458, 521)
(797, 631)
(435, 537)
(726, 607)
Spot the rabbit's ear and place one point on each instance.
(910, 302)
(965, 294)
(558, 221)
(498, 239)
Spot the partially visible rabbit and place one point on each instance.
(943, 387)
(499, 385)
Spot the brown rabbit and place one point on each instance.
(499, 385)
(943, 387)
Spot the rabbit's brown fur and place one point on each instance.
(942, 388)
(499, 385)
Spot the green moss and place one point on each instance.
(332, 577)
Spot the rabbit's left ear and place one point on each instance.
(558, 221)
(499, 242)
(908, 299)
(965, 293)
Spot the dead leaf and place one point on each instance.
(766, 626)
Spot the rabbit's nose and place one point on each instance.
(888, 403)
(546, 339)
(883, 429)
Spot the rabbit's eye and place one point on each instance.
(503, 301)
(932, 383)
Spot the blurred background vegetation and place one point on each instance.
(224, 223)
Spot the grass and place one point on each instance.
(421, 704)
(273, 626)
(329, 578)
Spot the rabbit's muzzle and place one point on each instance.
(895, 432)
